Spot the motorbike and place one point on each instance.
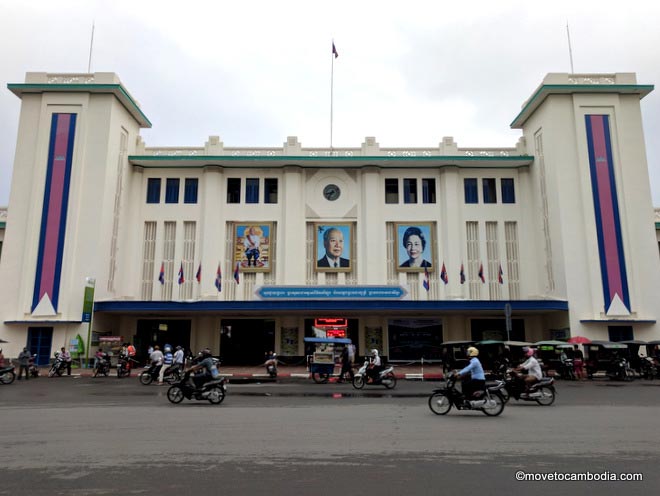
(543, 392)
(619, 370)
(271, 366)
(171, 375)
(33, 370)
(214, 391)
(648, 369)
(124, 366)
(385, 377)
(567, 370)
(59, 366)
(102, 366)
(490, 401)
(7, 374)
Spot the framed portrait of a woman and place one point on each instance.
(415, 246)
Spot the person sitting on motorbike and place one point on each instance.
(157, 359)
(98, 356)
(204, 364)
(477, 378)
(271, 359)
(375, 366)
(533, 368)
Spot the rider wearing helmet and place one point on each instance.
(533, 368)
(206, 365)
(375, 366)
(477, 378)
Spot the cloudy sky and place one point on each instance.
(256, 72)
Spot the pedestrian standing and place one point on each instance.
(346, 365)
(24, 363)
(2, 359)
(578, 363)
(178, 358)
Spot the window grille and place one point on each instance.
(112, 269)
(512, 259)
(168, 259)
(148, 261)
(492, 252)
(474, 259)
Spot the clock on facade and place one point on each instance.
(331, 192)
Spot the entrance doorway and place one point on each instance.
(245, 341)
(160, 332)
(414, 339)
(39, 342)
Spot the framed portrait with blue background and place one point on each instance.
(415, 246)
(333, 247)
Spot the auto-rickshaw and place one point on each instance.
(454, 355)
(496, 356)
(549, 354)
(613, 358)
(321, 362)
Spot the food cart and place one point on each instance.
(321, 362)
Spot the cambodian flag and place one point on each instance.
(237, 277)
(181, 278)
(443, 274)
(462, 275)
(198, 276)
(334, 50)
(161, 275)
(218, 279)
(426, 283)
(481, 273)
(500, 276)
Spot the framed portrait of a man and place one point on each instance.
(252, 246)
(333, 247)
(415, 247)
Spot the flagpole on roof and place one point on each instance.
(570, 50)
(333, 56)
(91, 44)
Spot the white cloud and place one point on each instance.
(255, 73)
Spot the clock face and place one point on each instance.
(331, 192)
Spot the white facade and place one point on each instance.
(572, 263)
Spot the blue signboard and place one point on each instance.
(331, 292)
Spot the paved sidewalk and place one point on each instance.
(294, 372)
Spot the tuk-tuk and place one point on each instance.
(635, 357)
(454, 355)
(549, 354)
(497, 356)
(321, 362)
(613, 358)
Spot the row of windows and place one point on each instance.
(489, 190)
(252, 190)
(409, 189)
(172, 186)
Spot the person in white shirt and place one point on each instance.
(533, 368)
(157, 358)
(179, 358)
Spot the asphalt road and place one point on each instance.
(109, 436)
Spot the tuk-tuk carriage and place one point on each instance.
(454, 355)
(496, 356)
(613, 358)
(321, 362)
(549, 355)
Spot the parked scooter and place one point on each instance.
(124, 366)
(214, 391)
(490, 401)
(543, 392)
(7, 374)
(33, 370)
(385, 377)
(271, 364)
(171, 375)
(619, 370)
(102, 366)
(58, 367)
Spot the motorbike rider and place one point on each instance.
(207, 365)
(156, 359)
(271, 359)
(375, 366)
(533, 368)
(66, 358)
(168, 359)
(477, 378)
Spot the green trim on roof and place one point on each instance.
(4, 225)
(567, 89)
(657, 225)
(79, 87)
(517, 161)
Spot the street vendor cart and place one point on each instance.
(321, 362)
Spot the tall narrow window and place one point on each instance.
(492, 253)
(190, 190)
(508, 191)
(153, 190)
(114, 242)
(148, 261)
(252, 190)
(270, 190)
(233, 190)
(169, 241)
(490, 193)
(428, 190)
(189, 234)
(474, 259)
(512, 259)
(391, 191)
(470, 187)
(410, 191)
(172, 190)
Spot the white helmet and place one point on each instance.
(374, 352)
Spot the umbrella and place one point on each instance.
(579, 340)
